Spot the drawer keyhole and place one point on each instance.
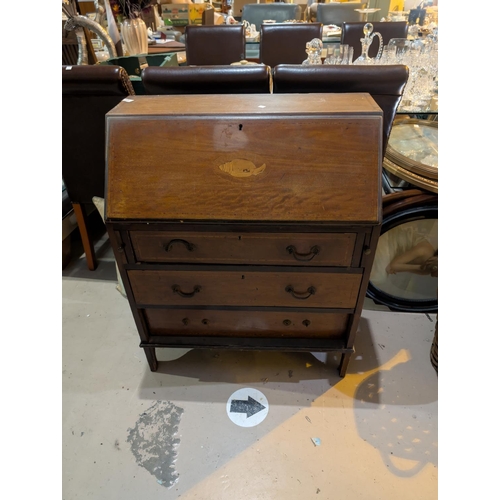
(185, 321)
(204, 321)
(306, 322)
(287, 322)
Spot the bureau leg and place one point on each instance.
(344, 361)
(151, 357)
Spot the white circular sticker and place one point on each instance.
(247, 407)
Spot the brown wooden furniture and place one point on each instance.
(245, 221)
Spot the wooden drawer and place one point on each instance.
(245, 288)
(194, 322)
(311, 249)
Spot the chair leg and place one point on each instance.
(88, 246)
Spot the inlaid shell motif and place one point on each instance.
(242, 168)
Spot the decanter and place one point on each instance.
(313, 51)
(366, 42)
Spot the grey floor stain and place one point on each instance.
(153, 441)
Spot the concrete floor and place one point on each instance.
(129, 433)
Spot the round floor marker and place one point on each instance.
(247, 407)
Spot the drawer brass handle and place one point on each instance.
(303, 256)
(170, 244)
(177, 289)
(301, 295)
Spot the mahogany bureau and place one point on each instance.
(245, 221)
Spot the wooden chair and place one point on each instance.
(88, 93)
(286, 43)
(384, 83)
(352, 33)
(214, 44)
(338, 13)
(245, 79)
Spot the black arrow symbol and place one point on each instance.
(250, 407)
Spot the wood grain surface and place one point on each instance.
(194, 322)
(232, 288)
(309, 249)
(315, 165)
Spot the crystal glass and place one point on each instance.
(366, 42)
(395, 51)
(338, 54)
(313, 50)
(348, 55)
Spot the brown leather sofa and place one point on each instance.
(352, 33)
(214, 44)
(384, 83)
(245, 79)
(88, 93)
(286, 43)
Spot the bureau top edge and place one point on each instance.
(294, 225)
(246, 104)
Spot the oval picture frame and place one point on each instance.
(381, 290)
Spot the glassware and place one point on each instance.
(330, 54)
(339, 54)
(366, 42)
(348, 55)
(313, 51)
(395, 51)
(412, 32)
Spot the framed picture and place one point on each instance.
(404, 273)
(412, 154)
